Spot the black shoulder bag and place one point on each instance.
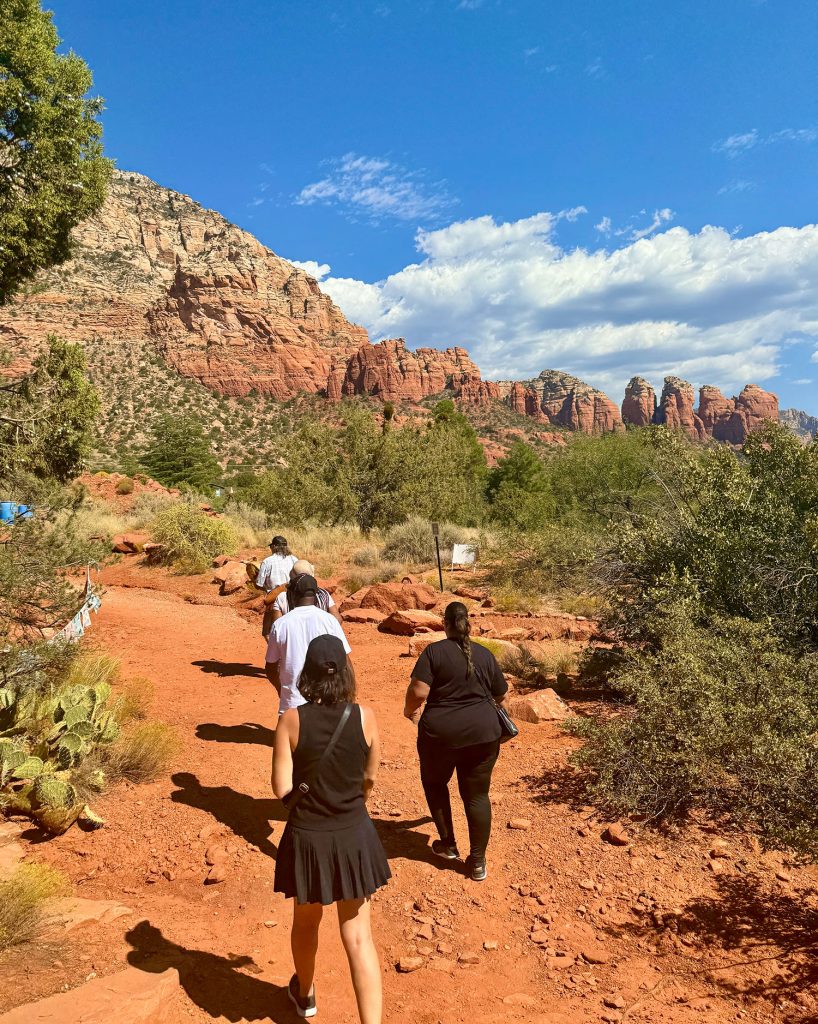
(508, 730)
(301, 790)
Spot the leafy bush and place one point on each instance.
(412, 541)
(148, 505)
(22, 902)
(124, 486)
(191, 537)
(366, 556)
(721, 716)
(143, 753)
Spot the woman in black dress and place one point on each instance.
(330, 851)
(458, 732)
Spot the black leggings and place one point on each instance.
(474, 766)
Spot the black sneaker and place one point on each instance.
(476, 869)
(304, 1007)
(448, 851)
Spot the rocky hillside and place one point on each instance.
(154, 272)
(800, 423)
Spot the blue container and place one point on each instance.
(8, 510)
(25, 512)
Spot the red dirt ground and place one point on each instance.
(680, 936)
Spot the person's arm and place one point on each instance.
(333, 610)
(416, 694)
(373, 761)
(261, 576)
(285, 742)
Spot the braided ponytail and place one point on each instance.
(456, 618)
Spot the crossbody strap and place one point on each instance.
(304, 787)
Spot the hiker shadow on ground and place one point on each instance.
(400, 840)
(245, 816)
(247, 732)
(559, 785)
(226, 669)
(216, 984)
(769, 938)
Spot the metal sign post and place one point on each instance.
(436, 535)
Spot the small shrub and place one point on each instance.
(506, 656)
(592, 606)
(124, 486)
(92, 669)
(413, 542)
(366, 556)
(383, 572)
(22, 900)
(191, 538)
(134, 699)
(511, 599)
(148, 505)
(143, 753)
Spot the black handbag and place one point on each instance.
(298, 792)
(508, 730)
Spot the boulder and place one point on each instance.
(129, 997)
(354, 600)
(411, 621)
(418, 644)
(127, 544)
(363, 615)
(232, 577)
(471, 593)
(541, 706)
(221, 560)
(391, 597)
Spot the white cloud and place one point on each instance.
(596, 69)
(317, 270)
(604, 226)
(378, 189)
(469, 5)
(532, 51)
(660, 217)
(803, 380)
(736, 186)
(735, 145)
(708, 306)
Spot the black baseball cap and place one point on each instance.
(325, 655)
(302, 585)
(278, 541)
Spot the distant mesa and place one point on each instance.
(154, 266)
(717, 417)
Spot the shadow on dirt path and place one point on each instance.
(247, 732)
(217, 984)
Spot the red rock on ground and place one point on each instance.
(410, 621)
(363, 615)
(130, 997)
(128, 543)
(391, 597)
(471, 593)
(542, 706)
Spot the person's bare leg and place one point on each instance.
(356, 935)
(304, 943)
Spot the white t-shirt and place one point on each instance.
(289, 639)
(274, 571)
(282, 602)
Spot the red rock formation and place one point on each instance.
(639, 404)
(676, 411)
(390, 371)
(732, 419)
(564, 401)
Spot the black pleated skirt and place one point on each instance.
(326, 866)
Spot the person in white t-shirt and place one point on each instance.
(290, 637)
(281, 605)
(273, 573)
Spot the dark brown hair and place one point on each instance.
(328, 688)
(280, 546)
(456, 618)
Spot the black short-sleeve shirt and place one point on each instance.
(458, 712)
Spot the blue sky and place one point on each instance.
(605, 188)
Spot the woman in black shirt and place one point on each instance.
(458, 732)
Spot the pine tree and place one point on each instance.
(180, 454)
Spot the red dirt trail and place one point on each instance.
(666, 922)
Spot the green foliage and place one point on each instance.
(720, 716)
(52, 172)
(125, 486)
(180, 454)
(47, 418)
(191, 537)
(518, 489)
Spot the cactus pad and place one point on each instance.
(52, 792)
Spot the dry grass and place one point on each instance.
(143, 753)
(22, 902)
(92, 669)
(134, 700)
(593, 606)
(506, 656)
(511, 599)
(365, 576)
(328, 548)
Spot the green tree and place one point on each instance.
(518, 489)
(52, 172)
(47, 418)
(180, 454)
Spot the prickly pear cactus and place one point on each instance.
(53, 793)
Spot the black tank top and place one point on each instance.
(336, 799)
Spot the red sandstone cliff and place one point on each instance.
(639, 404)
(564, 401)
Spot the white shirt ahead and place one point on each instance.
(289, 639)
(274, 571)
(282, 602)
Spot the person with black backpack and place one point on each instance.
(460, 730)
(325, 761)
